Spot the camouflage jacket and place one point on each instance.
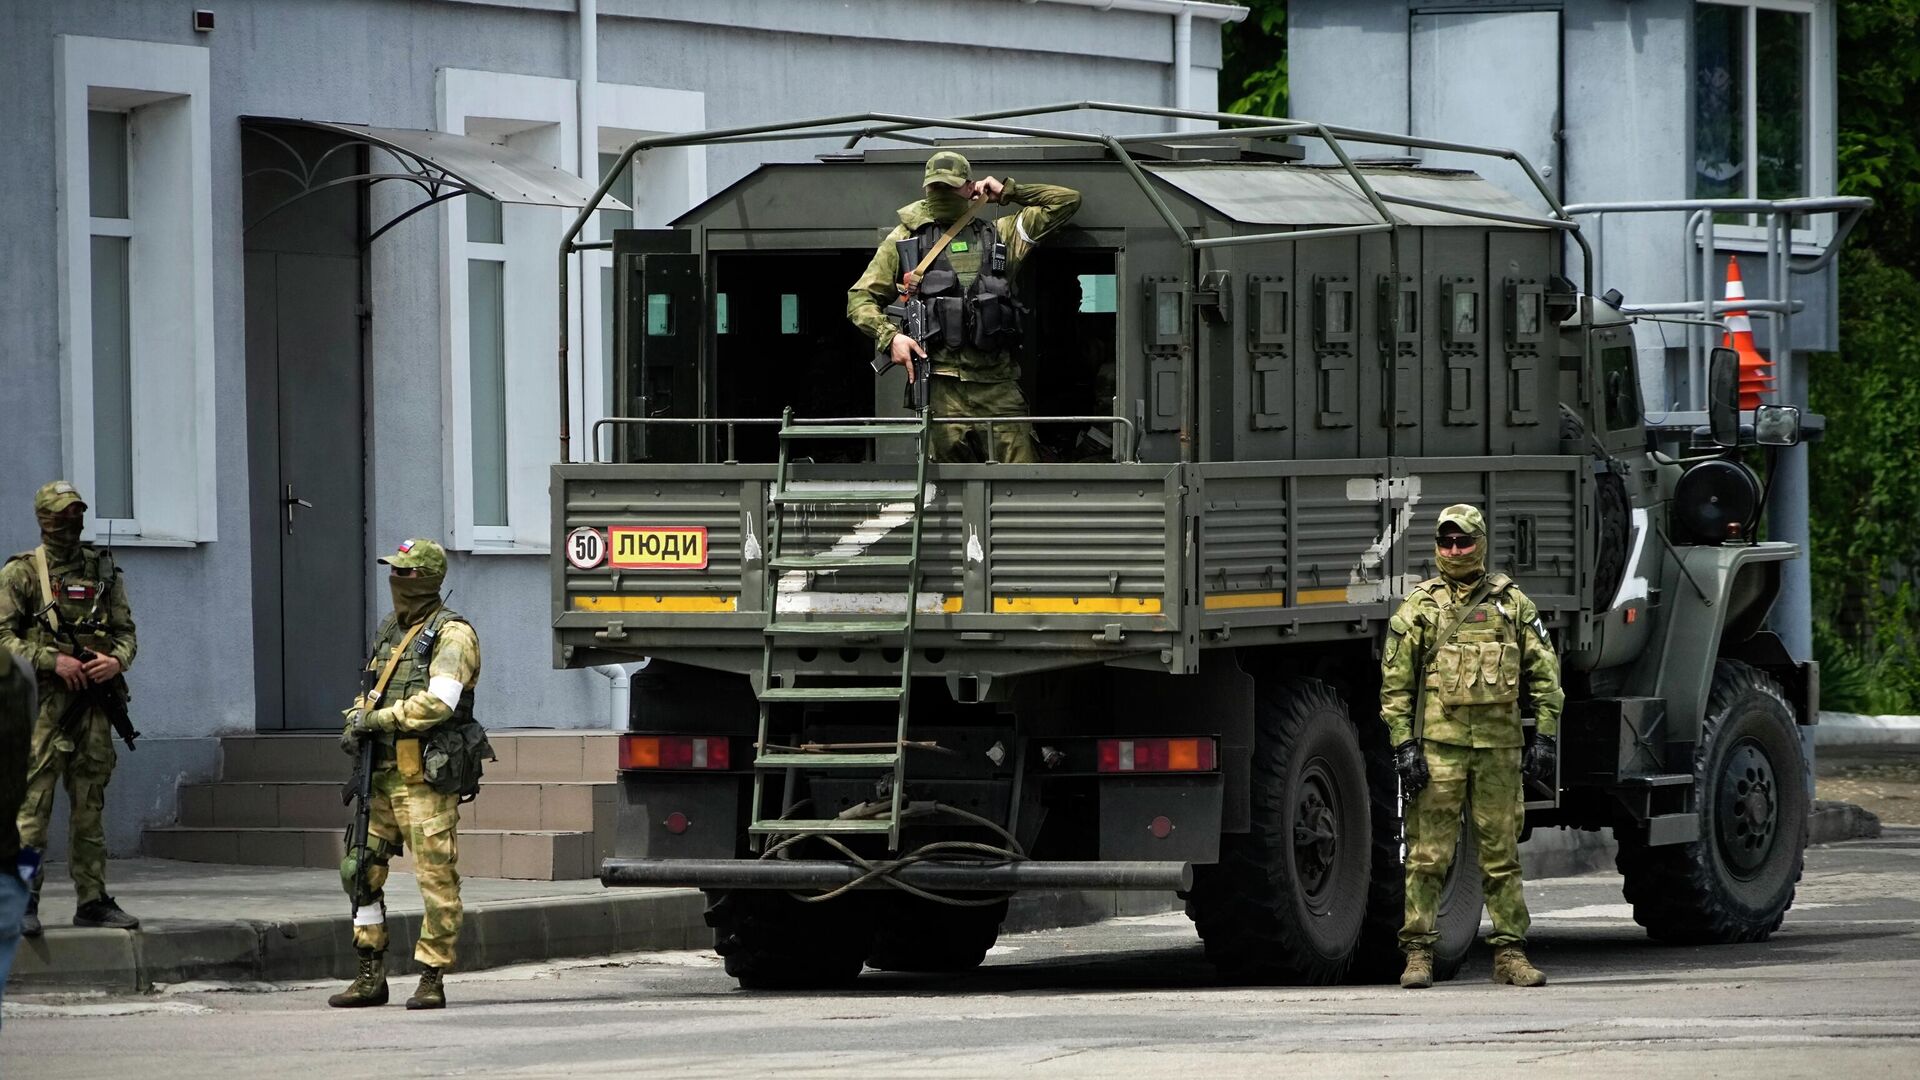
(1472, 686)
(89, 592)
(1044, 209)
(443, 662)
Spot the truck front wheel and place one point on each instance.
(1286, 900)
(773, 941)
(1734, 883)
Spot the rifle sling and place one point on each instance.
(393, 661)
(46, 587)
(911, 279)
(1455, 618)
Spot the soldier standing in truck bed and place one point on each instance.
(969, 290)
(1464, 641)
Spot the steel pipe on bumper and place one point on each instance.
(953, 877)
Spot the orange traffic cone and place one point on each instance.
(1756, 374)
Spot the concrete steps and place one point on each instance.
(545, 810)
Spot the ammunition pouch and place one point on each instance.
(983, 315)
(453, 756)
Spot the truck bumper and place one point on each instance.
(949, 877)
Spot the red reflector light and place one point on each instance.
(1155, 755)
(674, 752)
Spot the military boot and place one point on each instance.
(1419, 971)
(1510, 967)
(432, 993)
(103, 912)
(369, 987)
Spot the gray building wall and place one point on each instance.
(1626, 76)
(375, 62)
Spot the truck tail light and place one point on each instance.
(1156, 755)
(673, 752)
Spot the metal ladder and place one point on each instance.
(785, 761)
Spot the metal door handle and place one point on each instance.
(290, 502)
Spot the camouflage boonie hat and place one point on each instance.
(57, 496)
(1462, 518)
(421, 553)
(949, 168)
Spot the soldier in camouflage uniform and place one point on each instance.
(432, 683)
(1470, 752)
(974, 373)
(87, 596)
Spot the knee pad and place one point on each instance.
(379, 853)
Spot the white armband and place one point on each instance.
(447, 689)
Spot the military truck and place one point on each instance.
(885, 694)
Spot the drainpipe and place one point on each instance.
(588, 133)
(620, 681)
(1183, 66)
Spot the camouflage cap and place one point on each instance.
(57, 496)
(418, 552)
(1461, 517)
(949, 168)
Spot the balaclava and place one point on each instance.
(415, 598)
(59, 525)
(1463, 568)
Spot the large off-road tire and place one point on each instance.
(1285, 902)
(916, 934)
(1380, 959)
(1735, 883)
(772, 941)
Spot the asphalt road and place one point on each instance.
(1835, 994)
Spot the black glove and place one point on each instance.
(352, 733)
(1411, 765)
(1536, 763)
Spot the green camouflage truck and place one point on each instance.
(885, 694)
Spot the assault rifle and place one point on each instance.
(358, 792)
(110, 697)
(913, 319)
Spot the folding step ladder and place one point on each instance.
(784, 628)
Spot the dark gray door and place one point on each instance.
(321, 488)
(1491, 78)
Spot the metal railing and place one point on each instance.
(1700, 268)
(1125, 445)
(855, 127)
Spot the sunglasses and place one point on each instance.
(1455, 542)
(406, 571)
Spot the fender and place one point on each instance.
(1740, 583)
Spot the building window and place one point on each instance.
(1762, 74)
(135, 188)
(487, 359)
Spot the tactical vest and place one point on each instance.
(983, 315)
(1481, 665)
(411, 674)
(81, 596)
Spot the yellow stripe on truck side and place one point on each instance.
(1231, 601)
(661, 604)
(1335, 595)
(1076, 605)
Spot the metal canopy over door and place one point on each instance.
(1491, 78)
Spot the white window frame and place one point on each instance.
(539, 115)
(666, 184)
(1822, 137)
(169, 227)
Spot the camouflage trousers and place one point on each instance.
(85, 761)
(423, 821)
(1488, 782)
(1012, 443)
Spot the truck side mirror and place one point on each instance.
(1776, 425)
(1723, 397)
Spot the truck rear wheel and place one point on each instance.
(1736, 882)
(772, 941)
(917, 934)
(1379, 959)
(1286, 900)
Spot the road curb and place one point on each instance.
(1854, 729)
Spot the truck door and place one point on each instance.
(659, 328)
